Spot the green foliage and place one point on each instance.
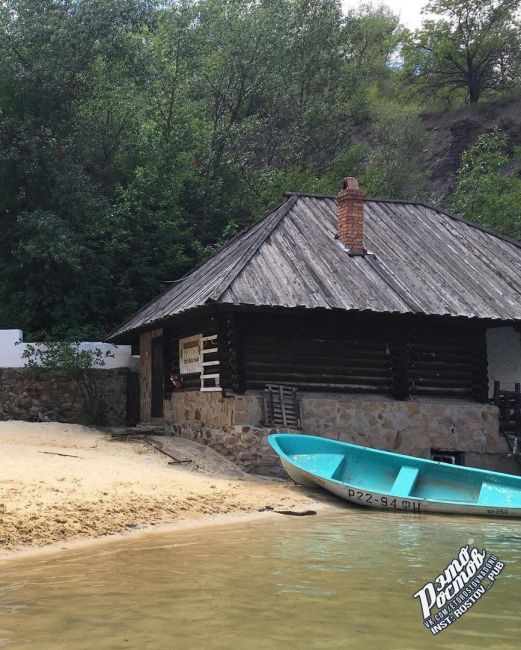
(392, 168)
(65, 360)
(137, 136)
(485, 193)
(472, 48)
(372, 35)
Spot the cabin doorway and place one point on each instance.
(157, 378)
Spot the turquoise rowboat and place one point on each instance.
(381, 479)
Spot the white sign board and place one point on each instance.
(190, 354)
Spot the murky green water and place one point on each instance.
(337, 581)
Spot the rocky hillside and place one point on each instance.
(452, 132)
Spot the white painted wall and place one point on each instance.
(504, 357)
(12, 348)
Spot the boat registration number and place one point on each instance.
(382, 501)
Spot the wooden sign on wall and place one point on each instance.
(190, 354)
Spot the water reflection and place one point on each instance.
(337, 581)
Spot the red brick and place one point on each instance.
(350, 209)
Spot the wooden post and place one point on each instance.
(167, 361)
(230, 353)
(517, 408)
(400, 360)
(497, 391)
(479, 365)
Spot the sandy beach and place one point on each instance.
(64, 482)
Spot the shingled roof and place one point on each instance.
(421, 260)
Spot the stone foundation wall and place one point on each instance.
(26, 395)
(245, 445)
(223, 423)
(410, 427)
(197, 409)
(233, 426)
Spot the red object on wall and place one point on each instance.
(177, 381)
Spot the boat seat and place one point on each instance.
(404, 482)
(492, 495)
(325, 465)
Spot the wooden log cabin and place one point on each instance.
(387, 319)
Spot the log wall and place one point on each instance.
(399, 356)
(340, 355)
(393, 355)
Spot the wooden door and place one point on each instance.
(133, 401)
(157, 377)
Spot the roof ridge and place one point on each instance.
(375, 199)
(424, 204)
(369, 198)
(278, 214)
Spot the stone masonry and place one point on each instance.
(233, 426)
(26, 395)
(225, 424)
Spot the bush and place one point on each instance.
(65, 360)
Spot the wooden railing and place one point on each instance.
(509, 405)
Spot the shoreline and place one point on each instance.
(210, 521)
(64, 484)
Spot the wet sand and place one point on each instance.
(64, 482)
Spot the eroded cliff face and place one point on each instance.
(451, 132)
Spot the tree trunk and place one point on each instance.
(474, 90)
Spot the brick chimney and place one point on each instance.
(350, 209)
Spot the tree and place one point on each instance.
(485, 193)
(393, 167)
(65, 122)
(371, 37)
(473, 47)
(233, 41)
(137, 135)
(300, 118)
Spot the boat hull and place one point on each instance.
(364, 495)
